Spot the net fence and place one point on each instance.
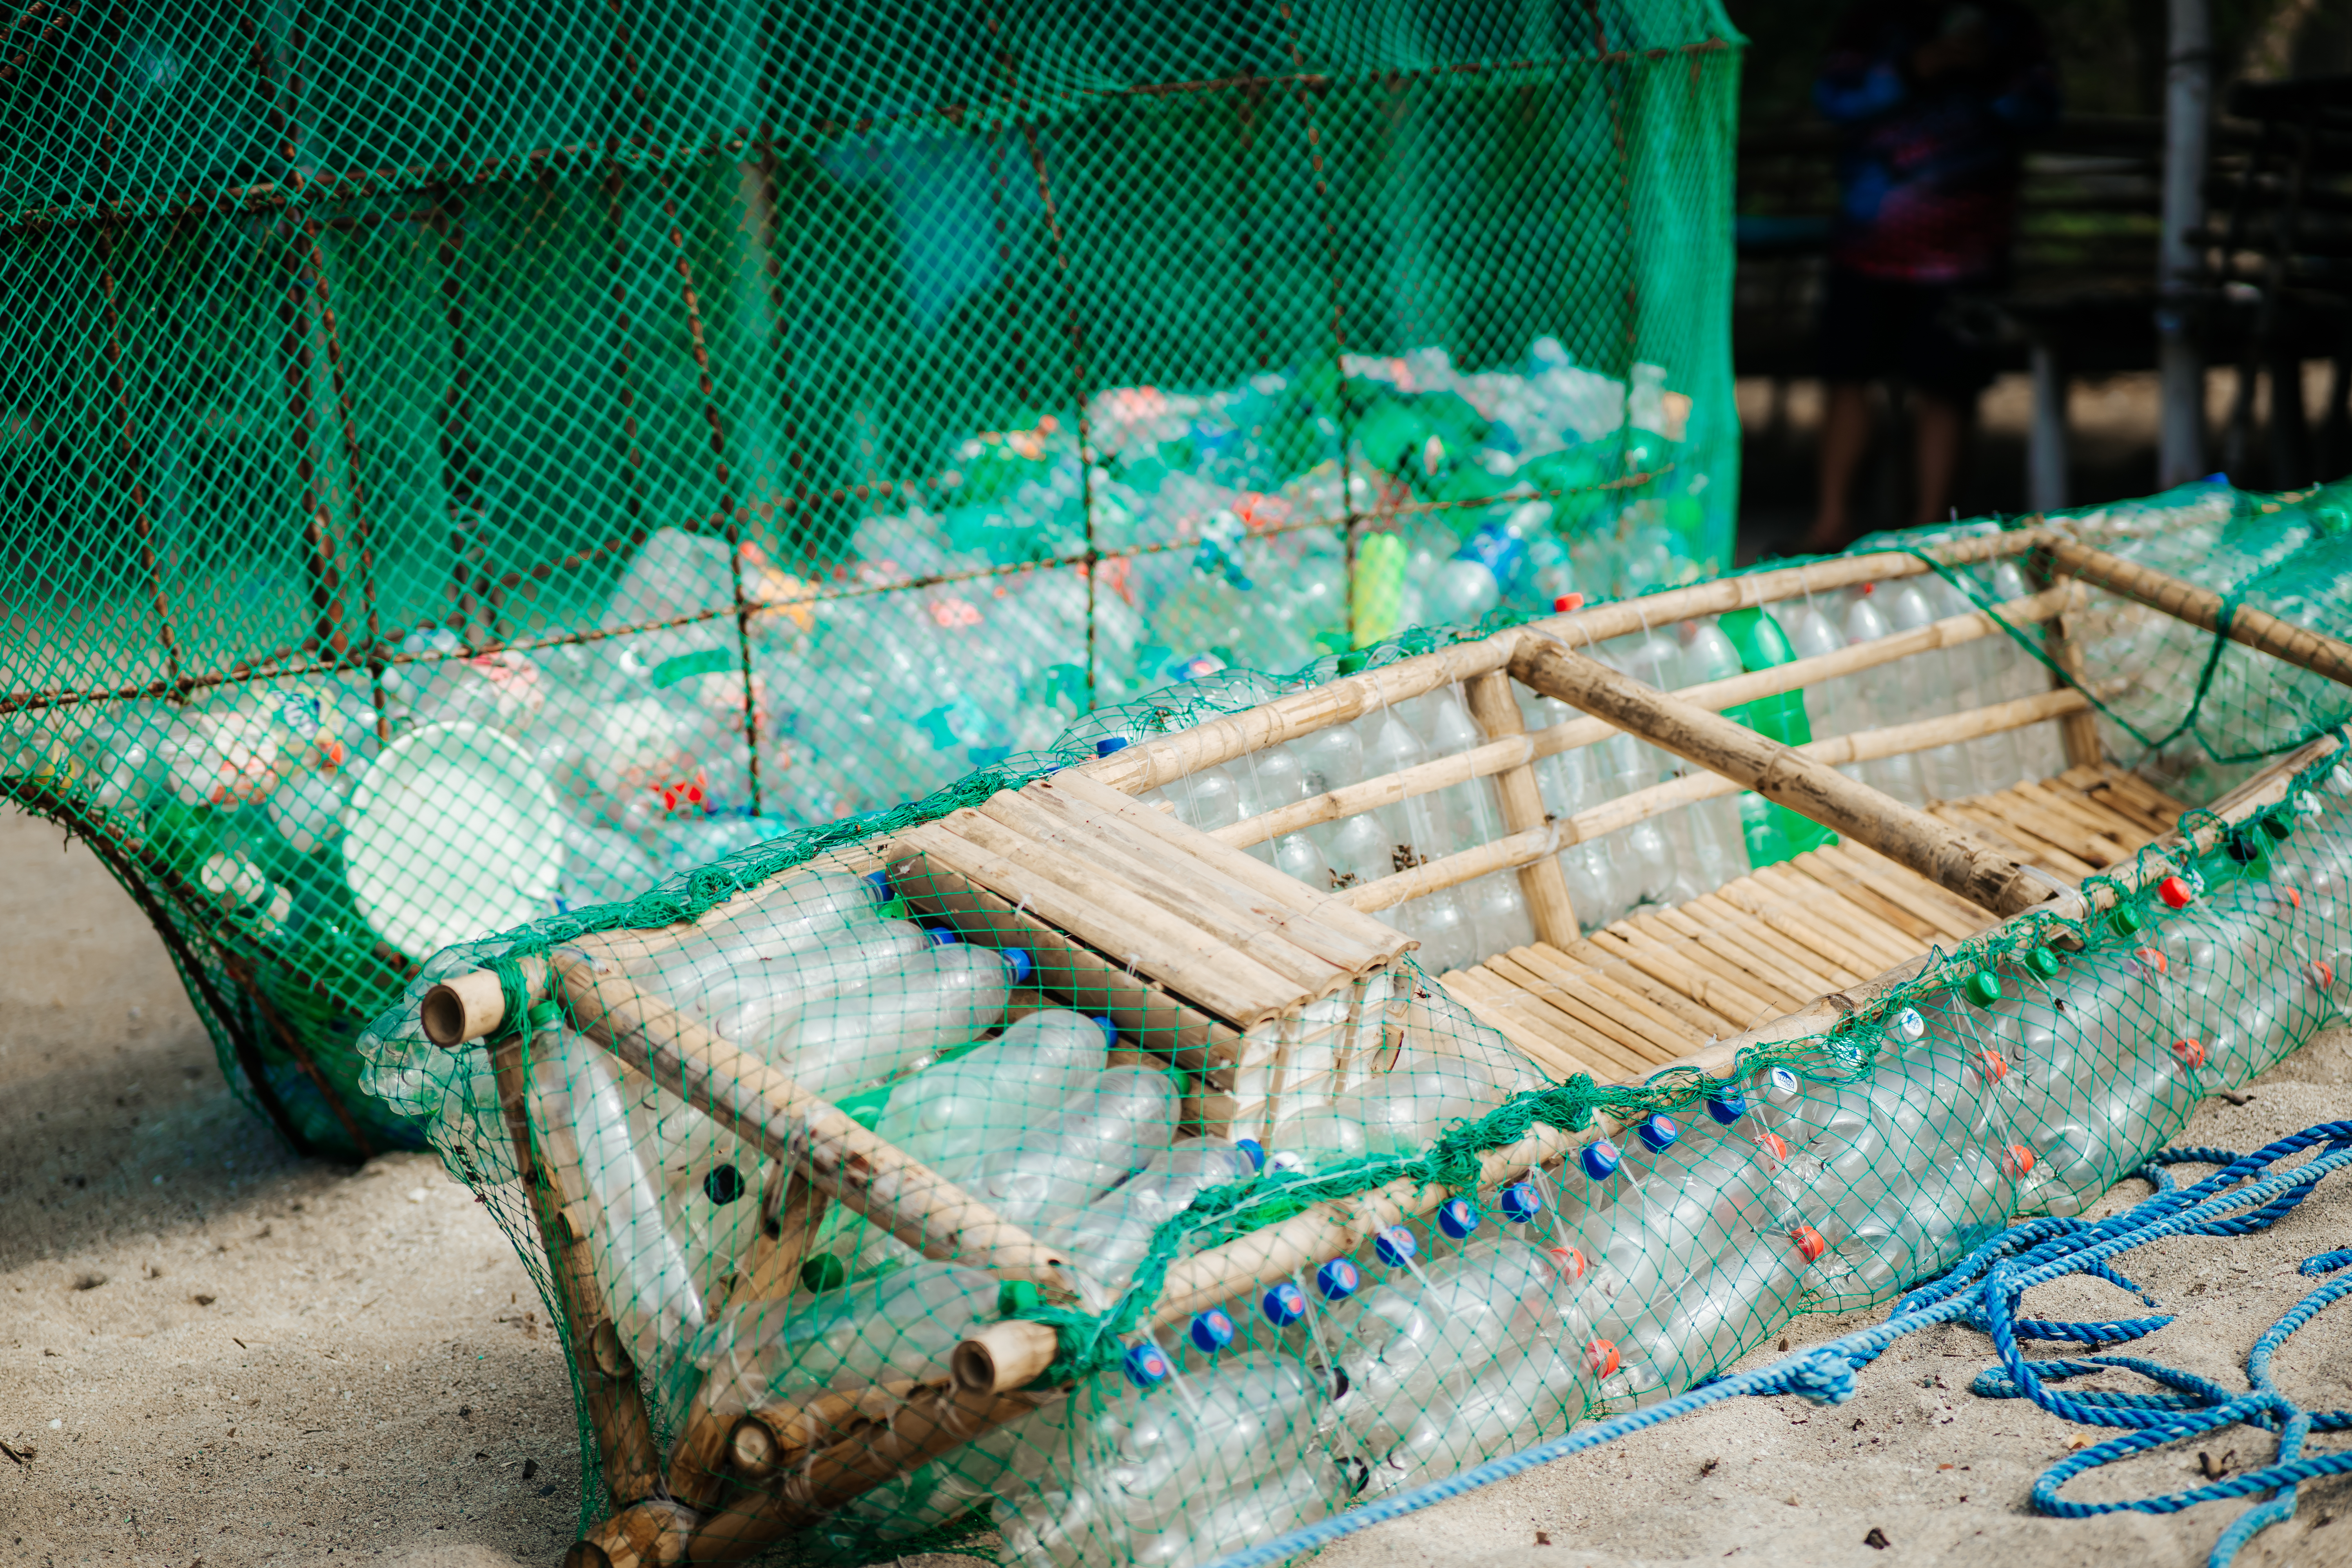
(662, 428)
(1244, 1241)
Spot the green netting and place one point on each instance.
(790, 1353)
(665, 428)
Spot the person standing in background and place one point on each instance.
(1931, 100)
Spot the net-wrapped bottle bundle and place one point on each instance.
(1310, 1094)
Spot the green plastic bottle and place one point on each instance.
(1774, 833)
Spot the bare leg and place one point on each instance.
(1936, 425)
(1845, 435)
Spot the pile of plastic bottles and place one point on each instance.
(962, 627)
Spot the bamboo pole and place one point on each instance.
(1641, 805)
(1165, 758)
(2257, 630)
(1540, 881)
(652, 1533)
(1811, 789)
(1502, 755)
(608, 1382)
(776, 1115)
(933, 1418)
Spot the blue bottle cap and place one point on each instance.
(1254, 1149)
(880, 882)
(1110, 1032)
(1599, 1159)
(1017, 960)
(1657, 1132)
(1395, 1246)
(1520, 1202)
(1110, 743)
(1213, 1330)
(1285, 1305)
(1456, 1218)
(1146, 1367)
(942, 938)
(1727, 1109)
(1337, 1280)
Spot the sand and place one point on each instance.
(212, 1352)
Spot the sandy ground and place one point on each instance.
(212, 1352)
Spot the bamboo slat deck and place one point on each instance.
(1660, 985)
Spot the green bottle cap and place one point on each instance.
(2277, 826)
(1983, 988)
(1017, 1298)
(546, 1016)
(2126, 919)
(1349, 663)
(2044, 962)
(823, 1272)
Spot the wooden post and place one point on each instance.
(2257, 630)
(776, 1115)
(608, 1382)
(1541, 882)
(1780, 774)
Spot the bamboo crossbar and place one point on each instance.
(1863, 746)
(1149, 764)
(1499, 756)
(2160, 591)
(1813, 790)
(776, 1115)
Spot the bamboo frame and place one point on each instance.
(1541, 882)
(1639, 806)
(1501, 755)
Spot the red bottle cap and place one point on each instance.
(1770, 1146)
(2150, 956)
(1991, 1064)
(2175, 893)
(1566, 603)
(2323, 974)
(1570, 1261)
(2189, 1053)
(1808, 1242)
(1601, 1357)
(2294, 896)
(2017, 1161)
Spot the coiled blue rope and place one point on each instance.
(1984, 1289)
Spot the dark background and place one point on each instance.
(2089, 225)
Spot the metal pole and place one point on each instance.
(2187, 89)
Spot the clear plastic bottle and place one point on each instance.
(942, 997)
(1108, 1132)
(1111, 1235)
(949, 1115)
(902, 1324)
(2041, 750)
(1938, 684)
(1888, 699)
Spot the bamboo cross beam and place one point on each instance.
(1502, 755)
(1528, 845)
(776, 1116)
(2257, 630)
(1935, 849)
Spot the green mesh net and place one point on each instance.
(1003, 1170)
(664, 429)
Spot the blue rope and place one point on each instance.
(1985, 1289)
